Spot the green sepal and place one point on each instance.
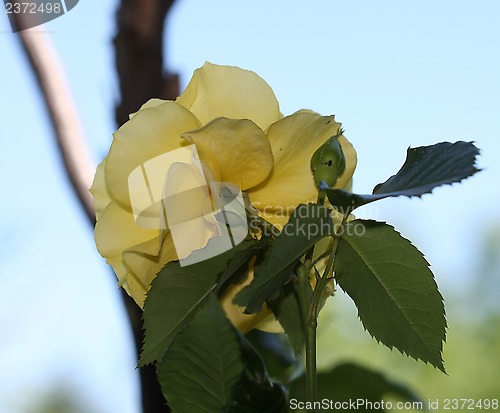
(328, 161)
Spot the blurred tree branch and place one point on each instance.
(62, 111)
(139, 63)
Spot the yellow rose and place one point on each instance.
(232, 118)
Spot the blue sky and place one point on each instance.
(396, 74)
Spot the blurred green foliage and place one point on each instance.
(59, 399)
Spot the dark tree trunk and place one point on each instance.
(139, 55)
(140, 66)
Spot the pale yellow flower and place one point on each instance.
(233, 119)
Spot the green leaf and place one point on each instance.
(286, 309)
(307, 225)
(203, 363)
(393, 288)
(352, 383)
(425, 168)
(174, 296)
(239, 262)
(256, 392)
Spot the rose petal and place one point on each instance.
(117, 231)
(235, 151)
(144, 267)
(121, 271)
(99, 190)
(152, 132)
(135, 288)
(151, 103)
(188, 209)
(294, 139)
(226, 91)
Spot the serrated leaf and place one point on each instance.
(307, 225)
(256, 392)
(349, 382)
(174, 296)
(393, 288)
(425, 168)
(203, 363)
(286, 309)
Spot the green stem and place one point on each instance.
(310, 305)
(321, 285)
(309, 324)
(310, 334)
(310, 319)
(311, 375)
